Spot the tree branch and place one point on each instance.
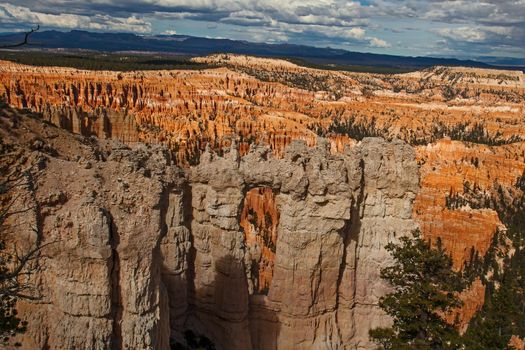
(25, 42)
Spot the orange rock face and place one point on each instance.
(254, 100)
(259, 220)
(182, 109)
(449, 168)
(452, 169)
(472, 302)
(261, 100)
(517, 343)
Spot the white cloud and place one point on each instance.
(467, 34)
(376, 42)
(483, 11)
(485, 25)
(264, 35)
(504, 31)
(474, 34)
(248, 18)
(169, 32)
(321, 31)
(19, 14)
(269, 21)
(353, 33)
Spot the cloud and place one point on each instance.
(477, 34)
(337, 19)
(322, 31)
(463, 25)
(489, 12)
(19, 14)
(463, 34)
(169, 32)
(247, 18)
(376, 42)
(261, 35)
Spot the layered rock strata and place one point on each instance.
(140, 251)
(270, 101)
(335, 212)
(100, 213)
(275, 102)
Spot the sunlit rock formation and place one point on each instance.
(250, 101)
(140, 250)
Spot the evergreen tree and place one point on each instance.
(503, 313)
(424, 290)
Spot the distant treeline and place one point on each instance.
(102, 61)
(350, 68)
(128, 62)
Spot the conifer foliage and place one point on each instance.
(424, 290)
(503, 312)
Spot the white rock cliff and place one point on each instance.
(146, 250)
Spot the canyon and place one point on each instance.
(140, 251)
(249, 203)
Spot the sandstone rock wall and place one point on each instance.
(335, 215)
(275, 102)
(101, 213)
(140, 251)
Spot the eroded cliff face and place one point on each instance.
(274, 102)
(335, 212)
(100, 212)
(451, 172)
(181, 109)
(267, 100)
(140, 251)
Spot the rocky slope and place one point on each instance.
(251, 100)
(140, 251)
(100, 213)
(272, 101)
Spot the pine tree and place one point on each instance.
(424, 290)
(503, 312)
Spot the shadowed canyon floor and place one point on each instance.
(257, 240)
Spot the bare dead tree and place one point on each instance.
(26, 39)
(17, 186)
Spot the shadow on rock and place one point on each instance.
(222, 315)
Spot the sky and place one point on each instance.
(459, 28)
